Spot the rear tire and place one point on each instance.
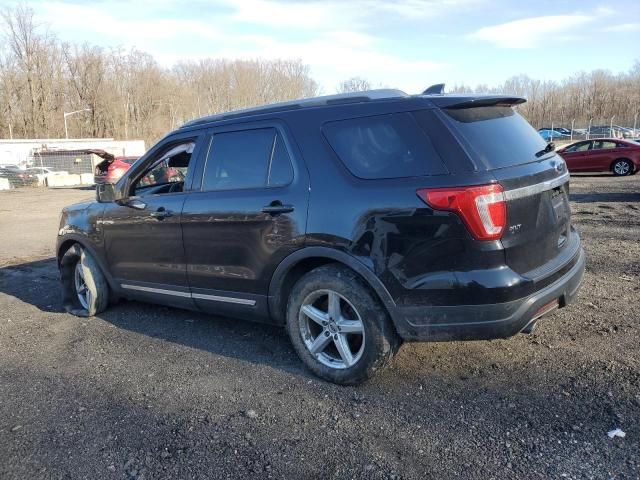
(338, 327)
(85, 289)
(622, 167)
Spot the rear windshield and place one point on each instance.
(496, 136)
(383, 146)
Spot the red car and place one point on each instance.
(111, 168)
(621, 157)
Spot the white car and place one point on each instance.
(43, 173)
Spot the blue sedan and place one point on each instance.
(549, 134)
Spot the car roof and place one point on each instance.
(351, 97)
(608, 139)
(368, 96)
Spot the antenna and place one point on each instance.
(437, 89)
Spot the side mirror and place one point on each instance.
(106, 192)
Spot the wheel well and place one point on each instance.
(621, 158)
(295, 273)
(66, 245)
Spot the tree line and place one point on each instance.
(120, 93)
(598, 97)
(126, 94)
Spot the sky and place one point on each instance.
(402, 44)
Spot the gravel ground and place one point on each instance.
(29, 221)
(150, 392)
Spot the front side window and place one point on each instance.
(167, 173)
(579, 147)
(247, 159)
(383, 146)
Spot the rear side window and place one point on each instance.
(280, 170)
(247, 159)
(383, 146)
(602, 145)
(497, 136)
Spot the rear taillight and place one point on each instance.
(483, 209)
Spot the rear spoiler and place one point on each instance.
(458, 102)
(501, 101)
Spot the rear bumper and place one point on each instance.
(487, 321)
(102, 179)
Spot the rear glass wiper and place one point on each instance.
(549, 148)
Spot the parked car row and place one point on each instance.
(595, 131)
(18, 177)
(109, 170)
(23, 177)
(550, 134)
(44, 173)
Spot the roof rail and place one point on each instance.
(351, 97)
(437, 89)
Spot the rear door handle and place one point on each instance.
(277, 208)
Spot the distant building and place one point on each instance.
(24, 153)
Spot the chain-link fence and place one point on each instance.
(572, 131)
(50, 169)
(62, 162)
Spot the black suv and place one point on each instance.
(357, 221)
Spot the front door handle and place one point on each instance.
(134, 203)
(161, 213)
(276, 208)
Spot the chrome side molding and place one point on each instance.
(199, 296)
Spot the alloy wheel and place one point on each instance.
(82, 291)
(621, 168)
(332, 329)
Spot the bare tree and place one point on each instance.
(131, 96)
(34, 58)
(127, 93)
(353, 84)
(598, 95)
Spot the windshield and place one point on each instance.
(496, 137)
